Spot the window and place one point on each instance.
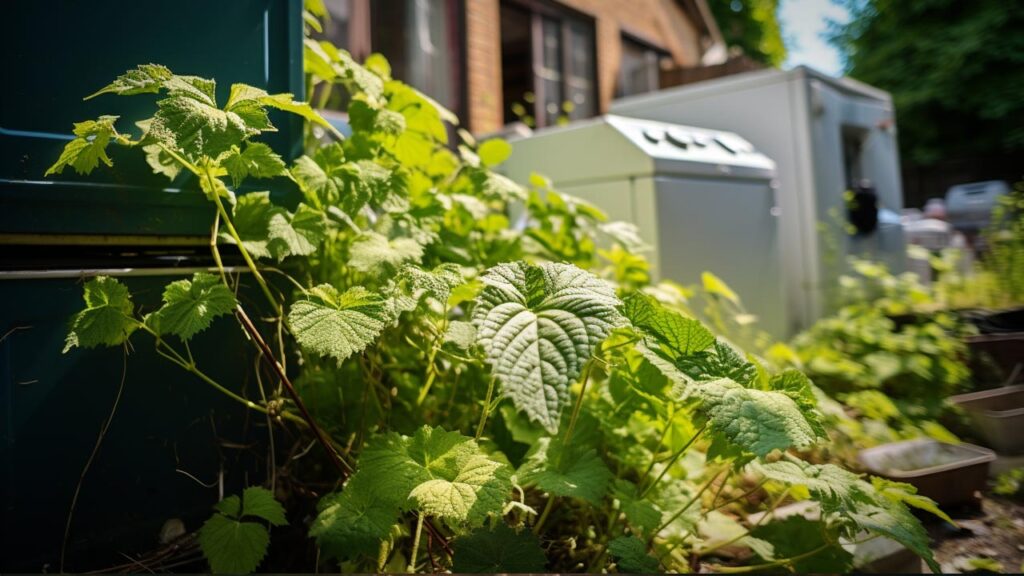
(548, 68)
(422, 39)
(639, 67)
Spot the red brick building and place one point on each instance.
(497, 61)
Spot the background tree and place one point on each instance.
(955, 69)
(753, 27)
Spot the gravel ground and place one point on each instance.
(991, 538)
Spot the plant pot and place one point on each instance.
(998, 416)
(946, 473)
(999, 353)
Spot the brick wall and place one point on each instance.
(659, 22)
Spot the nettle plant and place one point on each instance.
(484, 402)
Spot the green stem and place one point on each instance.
(686, 506)
(416, 542)
(486, 410)
(176, 358)
(544, 514)
(274, 305)
(780, 562)
(579, 402)
(673, 460)
(769, 512)
(741, 496)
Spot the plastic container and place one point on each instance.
(998, 416)
(946, 473)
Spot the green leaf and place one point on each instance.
(188, 119)
(715, 285)
(232, 546)
(721, 361)
(576, 471)
(642, 515)
(336, 324)
(631, 555)
(355, 520)
(469, 490)
(437, 283)
(796, 535)
(831, 485)
(107, 319)
(146, 78)
(287, 103)
(460, 334)
(267, 230)
(538, 326)
(494, 151)
(500, 550)
(86, 151)
(680, 335)
(260, 502)
(191, 305)
(755, 420)
(797, 386)
(374, 253)
(257, 160)
(907, 494)
(893, 520)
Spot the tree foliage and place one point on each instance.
(955, 70)
(752, 26)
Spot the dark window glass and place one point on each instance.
(638, 69)
(548, 64)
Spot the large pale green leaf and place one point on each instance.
(89, 148)
(538, 326)
(270, 231)
(500, 550)
(257, 160)
(191, 305)
(107, 319)
(576, 471)
(190, 116)
(355, 520)
(373, 252)
(680, 335)
(146, 78)
(336, 324)
(755, 420)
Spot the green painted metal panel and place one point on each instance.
(57, 51)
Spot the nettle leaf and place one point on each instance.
(907, 494)
(355, 520)
(336, 324)
(268, 230)
(755, 420)
(437, 283)
(499, 550)
(797, 386)
(257, 160)
(795, 536)
(373, 253)
(641, 514)
(576, 471)
(86, 151)
(829, 484)
(189, 114)
(232, 546)
(191, 305)
(681, 336)
(107, 319)
(720, 361)
(893, 520)
(231, 540)
(538, 326)
(460, 334)
(146, 78)
(630, 554)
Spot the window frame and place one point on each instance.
(660, 53)
(538, 10)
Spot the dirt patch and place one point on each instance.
(989, 538)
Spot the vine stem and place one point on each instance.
(673, 460)
(687, 505)
(579, 400)
(268, 357)
(485, 411)
(544, 514)
(416, 543)
(92, 456)
(772, 564)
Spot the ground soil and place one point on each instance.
(995, 531)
